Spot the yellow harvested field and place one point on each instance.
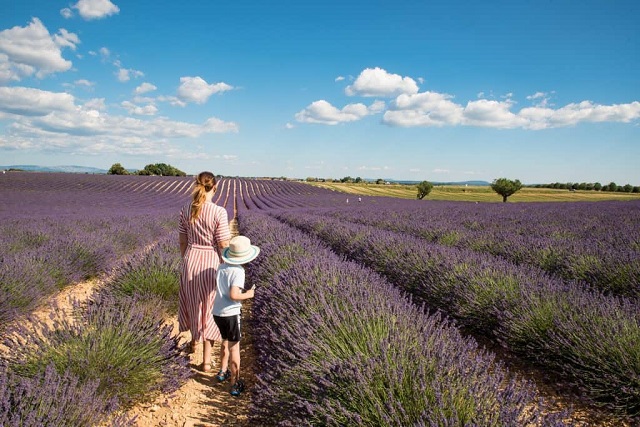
(474, 193)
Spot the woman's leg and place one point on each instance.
(206, 355)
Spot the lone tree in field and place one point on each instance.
(506, 187)
(424, 188)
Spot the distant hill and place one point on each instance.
(67, 169)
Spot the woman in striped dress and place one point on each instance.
(204, 233)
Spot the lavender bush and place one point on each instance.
(52, 399)
(352, 350)
(130, 352)
(152, 275)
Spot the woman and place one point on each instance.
(204, 233)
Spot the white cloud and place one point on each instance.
(339, 78)
(31, 50)
(144, 88)
(215, 125)
(196, 89)
(437, 170)
(95, 9)
(23, 101)
(124, 75)
(172, 100)
(47, 120)
(435, 109)
(66, 13)
(423, 109)
(488, 113)
(146, 110)
(84, 83)
(585, 111)
(289, 126)
(95, 104)
(378, 82)
(324, 113)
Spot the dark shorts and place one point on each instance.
(229, 327)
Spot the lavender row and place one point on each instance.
(102, 357)
(597, 243)
(41, 257)
(591, 339)
(338, 345)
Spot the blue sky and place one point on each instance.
(541, 91)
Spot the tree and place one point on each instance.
(358, 180)
(424, 188)
(506, 187)
(379, 181)
(161, 169)
(117, 169)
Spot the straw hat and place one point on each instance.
(240, 251)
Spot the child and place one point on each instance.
(227, 304)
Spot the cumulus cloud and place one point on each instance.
(434, 109)
(94, 9)
(124, 75)
(423, 109)
(48, 120)
(144, 88)
(324, 113)
(139, 110)
(378, 82)
(24, 101)
(196, 89)
(31, 50)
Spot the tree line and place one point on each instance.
(159, 169)
(591, 186)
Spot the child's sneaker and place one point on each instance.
(223, 376)
(237, 388)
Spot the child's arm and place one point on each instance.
(236, 294)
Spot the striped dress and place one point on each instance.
(198, 270)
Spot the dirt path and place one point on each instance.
(202, 400)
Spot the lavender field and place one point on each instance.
(387, 300)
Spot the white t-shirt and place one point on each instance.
(228, 276)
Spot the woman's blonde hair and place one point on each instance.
(205, 181)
